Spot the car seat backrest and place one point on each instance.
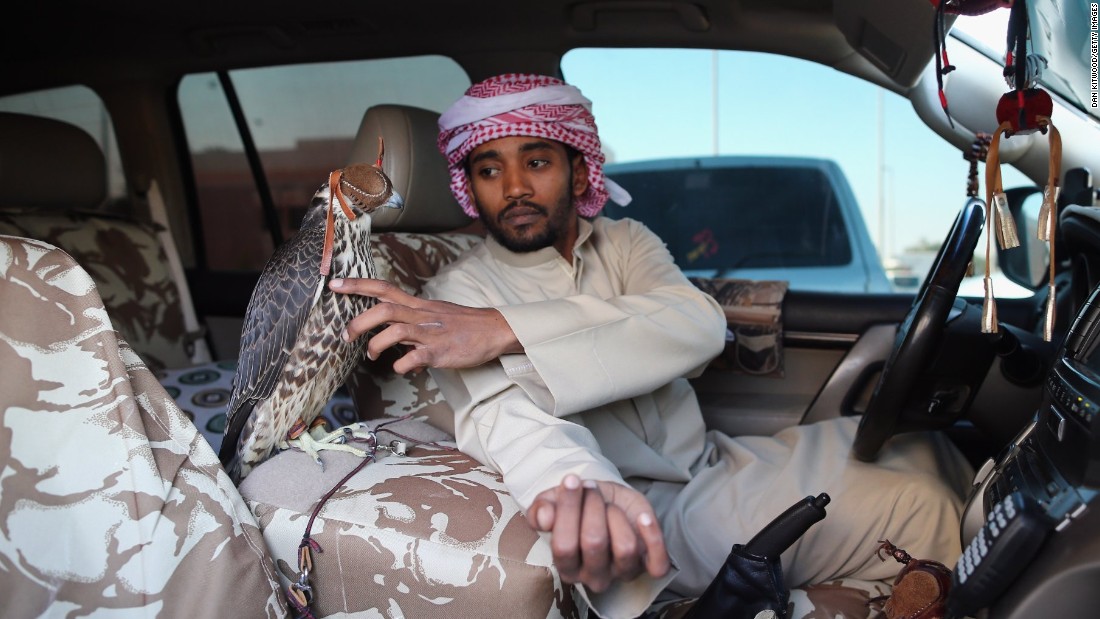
(53, 188)
(415, 166)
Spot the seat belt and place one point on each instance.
(199, 352)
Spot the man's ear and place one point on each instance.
(469, 184)
(580, 175)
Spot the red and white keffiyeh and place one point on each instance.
(528, 105)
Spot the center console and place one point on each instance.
(1031, 532)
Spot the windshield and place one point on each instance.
(1064, 32)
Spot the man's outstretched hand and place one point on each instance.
(439, 334)
(600, 532)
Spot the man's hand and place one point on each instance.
(440, 334)
(600, 532)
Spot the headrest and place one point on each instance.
(415, 166)
(46, 163)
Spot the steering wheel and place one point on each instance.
(919, 334)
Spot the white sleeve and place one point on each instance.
(584, 351)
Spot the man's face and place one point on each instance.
(524, 189)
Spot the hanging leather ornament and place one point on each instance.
(1023, 110)
(997, 205)
(1025, 103)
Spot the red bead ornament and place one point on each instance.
(1022, 108)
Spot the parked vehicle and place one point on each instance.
(787, 218)
(167, 149)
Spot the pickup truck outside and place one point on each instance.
(754, 217)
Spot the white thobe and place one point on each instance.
(601, 391)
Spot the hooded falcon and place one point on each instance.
(292, 357)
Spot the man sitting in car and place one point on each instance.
(564, 343)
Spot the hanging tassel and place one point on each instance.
(989, 308)
(1048, 214)
(1048, 317)
(996, 200)
(1007, 237)
(1047, 210)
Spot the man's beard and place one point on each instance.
(516, 241)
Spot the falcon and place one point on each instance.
(292, 358)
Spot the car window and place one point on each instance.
(908, 183)
(80, 106)
(303, 120)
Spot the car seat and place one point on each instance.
(111, 501)
(53, 187)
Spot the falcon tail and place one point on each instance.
(235, 422)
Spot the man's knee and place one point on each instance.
(925, 519)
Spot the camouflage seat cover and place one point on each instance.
(111, 504)
(431, 534)
(129, 267)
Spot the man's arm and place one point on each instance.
(625, 334)
(655, 318)
(603, 533)
(440, 334)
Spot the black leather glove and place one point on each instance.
(751, 580)
(746, 585)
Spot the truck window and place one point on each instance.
(725, 218)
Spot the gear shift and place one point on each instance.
(750, 584)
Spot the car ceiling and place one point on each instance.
(105, 43)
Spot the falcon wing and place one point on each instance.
(280, 304)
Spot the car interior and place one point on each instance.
(143, 187)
